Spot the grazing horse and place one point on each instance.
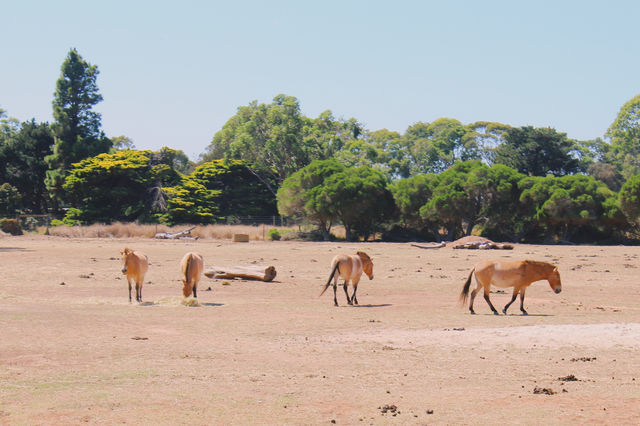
(134, 266)
(518, 274)
(192, 266)
(349, 267)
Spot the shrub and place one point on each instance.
(11, 226)
(274, 235)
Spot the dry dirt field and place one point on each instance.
(276, 353)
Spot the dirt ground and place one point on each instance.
(73, 350)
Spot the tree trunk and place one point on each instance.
(259, 273)
(347, 233)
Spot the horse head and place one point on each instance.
(554, 281)
(367, 264)
(125, 259)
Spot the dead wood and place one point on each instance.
(432, 246)
(173, 236)
(260, 273)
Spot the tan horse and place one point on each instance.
(134, 266)
(192, 266)
(349, 267)
(518, 274)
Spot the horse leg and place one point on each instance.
(522, 302)
(335, 288)
(195, 289)
(346, 292)
(486, 297)
(138, 295)
(129, 282)
(515, 294)
(473, 296)
(353, 296)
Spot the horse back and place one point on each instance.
(192, 266)
(507, 273)
(350, 266)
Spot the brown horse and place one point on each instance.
(192, 266)
(349, 267)
(134, 266)
(518, 274)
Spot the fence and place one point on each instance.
(32, 221)
(263, 220)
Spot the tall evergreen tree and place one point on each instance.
(77, 128)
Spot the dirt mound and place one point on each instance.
(470, 239)
(475, 242)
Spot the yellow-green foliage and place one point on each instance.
(110, 187)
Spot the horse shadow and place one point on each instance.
(212, 304)
(14, 249)
(519, 315)
(382, 305)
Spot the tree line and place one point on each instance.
(436, 180)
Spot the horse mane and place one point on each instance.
(363, 255)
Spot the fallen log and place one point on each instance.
(432, 246)
(173, 236)
(259, 273)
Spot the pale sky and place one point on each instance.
(172, 73)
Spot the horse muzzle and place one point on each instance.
(558, 290)
(124, 270)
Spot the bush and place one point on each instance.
(274, 234)
(11, 226)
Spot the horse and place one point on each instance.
(349, 267)
(192, 266)
(518, 274)
(134, 266)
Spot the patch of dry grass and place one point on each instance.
(132, 230)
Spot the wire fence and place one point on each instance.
(33, 221)
(262, 220)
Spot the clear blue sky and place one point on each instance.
(172, 73)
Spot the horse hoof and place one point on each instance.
(472, 312)
(496, 313)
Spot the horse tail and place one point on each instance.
(333, 272)
(186, 270)
(465, 290)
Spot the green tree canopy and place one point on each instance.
(538, 152)
(360, 198)
(625, 138)
(629, 197)
(110, 187)
(267, 137)
(302, 194)
(218, 190)
(439, 145)
(572, 206)
(22, 163)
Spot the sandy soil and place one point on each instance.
(276, 353)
